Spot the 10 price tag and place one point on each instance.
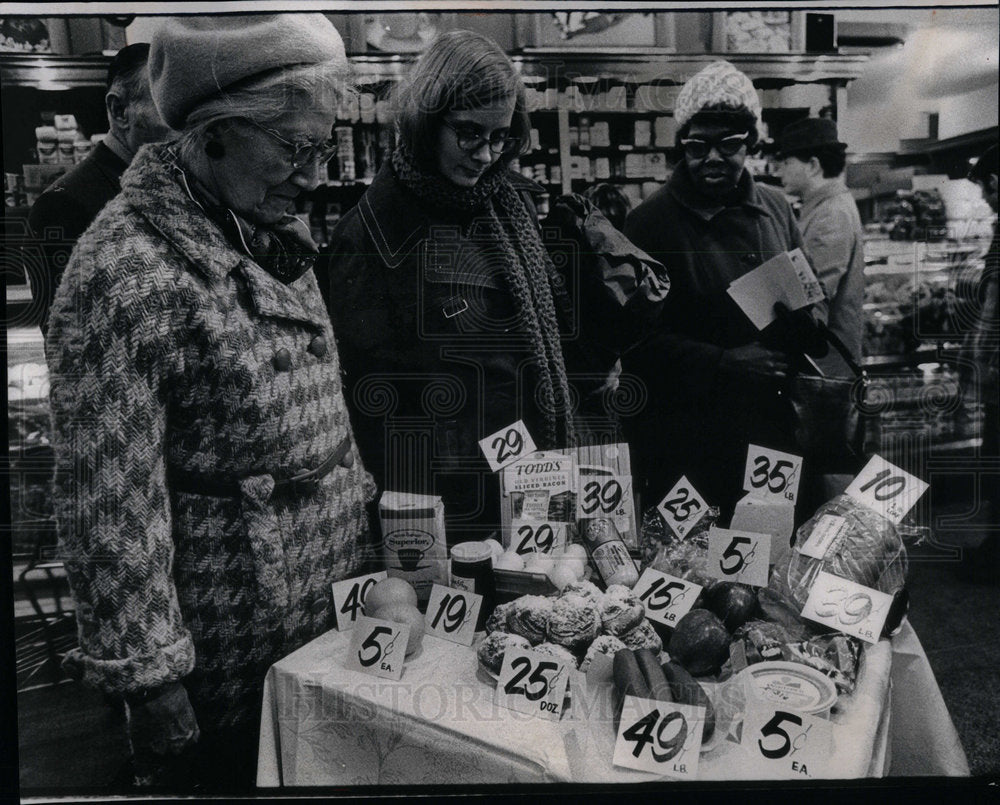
(452, 614)
(532, 683)
(507, 445)
(377, 647)
(772, 474)
(847, 606)
(886, 489)
(682, 508)
(349, 598)
(666, 598)
(660, 737)
(739, 556)
(528, 537)
(784, 744)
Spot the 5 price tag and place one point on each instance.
(682, 508)
(377, 647)
(603, 496)
(507, 445)
(886, 489)
(738, 556)
(786, 744)
(666, 598)
(660, 737)
(532, 683)
(847, 606)
(528, 537)
(349, 598)
(772, 474)
(452, 614)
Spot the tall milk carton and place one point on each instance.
(413, 539)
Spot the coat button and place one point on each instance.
(348, 460)
(282, 360)
(318, 346)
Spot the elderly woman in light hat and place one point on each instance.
(207, 491)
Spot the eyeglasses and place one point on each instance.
(469, 139)
(304, 152)
(727, 146)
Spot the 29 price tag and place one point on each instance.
(660, 737)
(666, 598)
(604, 496)
(771, 473)
(527, 536)
(349, 598)
(847, 606)
(740, 556)
(507, 445)
(886, 489)
(682, 508)
(786, 744)
(532, 683)
(377, 647)
(452, 614)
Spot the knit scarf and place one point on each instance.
(534, 282)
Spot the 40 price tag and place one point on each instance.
(528, 536)
(452, 613)
(740, 556)
(847, 606)
(603, 496)
(507, 445)
(660, 737)
(784, 744)
(377, 647)
(349, 598)
(666, 598)
(682, 508)
(532, 683)
(772, 474)
(886, 489)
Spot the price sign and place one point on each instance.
(772, 474)
(604, 496)
(784, 744)
(666, 598)
(507, 445)
(682, 508)
(847, 606)
(452, 614)
(532, 683)
(377, 647)
(660, 737)
(824, 537)
(349, 598)
(886, 489)
(527, 536)
(738, 556)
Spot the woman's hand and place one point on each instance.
(161, 726)
(753, 359)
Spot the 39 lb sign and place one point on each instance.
(847, 606)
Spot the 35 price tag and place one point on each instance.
(377, 647)
(532, 683)
(666, 598)
(660, 737)
(771, 473)
(527, 536)
(739, 556)
(784, 744)
(886, 489)
(452, 614)
(507, 445)
(682, 508)
(349, 598)
(604, 496)
(847, 606)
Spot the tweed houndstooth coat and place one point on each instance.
(163, 351)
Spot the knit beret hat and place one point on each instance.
(718, 83)
(193, 59)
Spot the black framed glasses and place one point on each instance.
(304, 152)
(727, 146)
(471, 139)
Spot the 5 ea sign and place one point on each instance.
(786, 744)
(507, 445)
(738, 556)
(452, 613)
(377, 647)
(666, 598)
(659, 737)
(886, 489)
(772, 474)
(682, 508)
(349, 598)
(531, 682)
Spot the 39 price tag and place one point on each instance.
(349, 598)
(507, 445)
(682, 508)
(527, 536)
(886, 489)
(452, 614)
(847, 606)
(532, 683)
(666, 598)
(604, 496)
(660, 737)
(377, 647)
(738, 556)
(771, 473)
(784, 744)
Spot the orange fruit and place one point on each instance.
(389, 591)
(406, 614)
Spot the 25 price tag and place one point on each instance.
(771, 473)
(349, 598)
(377, 647)
(533, 537)
(452, 614)
(660, 737)
(507, 445)
(532, 683)
(682, 508)
(666, 598)
(740, 556)
(603, 496)
(786, 744)
(847, 606)
(886, 489)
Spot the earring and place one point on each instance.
(214, 150)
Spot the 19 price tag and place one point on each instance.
(886, 489)
(666, 598)
(682, 508)
(738, 556)
(532, 683)
(507, 445)
(452, 614)
(772, 474)
(377, 647)
(603, 496)
(527, 536)
(660, 737)
(786, 744)
(847, 606)
(349, 598)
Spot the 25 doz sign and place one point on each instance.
(532, 683)
(666, 598)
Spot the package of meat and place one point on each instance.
(684, 557)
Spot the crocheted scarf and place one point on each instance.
(535, 284)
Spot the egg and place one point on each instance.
(495, 547)
(561, 575)
(539, 563)
(509, 561)
(575, 551)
